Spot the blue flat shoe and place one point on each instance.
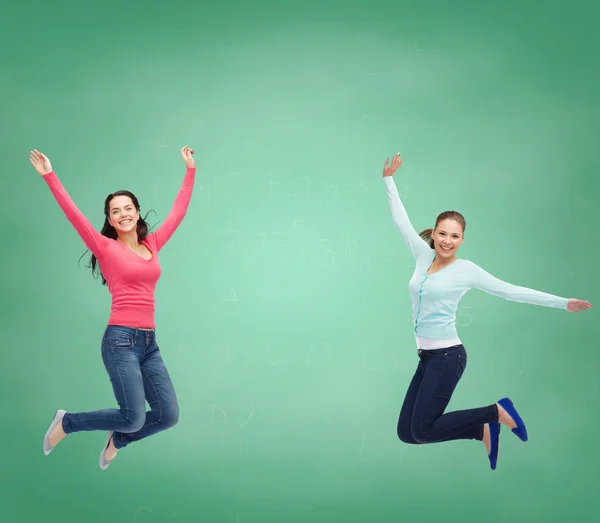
(494, 444)
(520, 429)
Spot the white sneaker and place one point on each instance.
(57, 417)
(104, 463)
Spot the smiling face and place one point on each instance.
(123, 215)
(447, 237)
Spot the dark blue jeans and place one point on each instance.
(422, 418)
(137, 374)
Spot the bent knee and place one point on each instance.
(420, 436)
(407, 438)
(169, 417)
(133, 421)
(405, 435)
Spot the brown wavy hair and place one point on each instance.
(109, 231)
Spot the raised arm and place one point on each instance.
(413, 241)
(93, 240)
(179, 209)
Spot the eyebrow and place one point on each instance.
(442, 230)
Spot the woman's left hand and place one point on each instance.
(578, 305)
(186, 153)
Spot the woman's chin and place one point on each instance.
(125, 230)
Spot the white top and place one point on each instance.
(435, 297)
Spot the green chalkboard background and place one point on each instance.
(283, 313)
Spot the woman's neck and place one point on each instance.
(443, 262)
(130, 239)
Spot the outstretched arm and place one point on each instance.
(93, 240)
(179, 209)
(413, 241)
(484, 281)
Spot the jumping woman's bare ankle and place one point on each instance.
(504, 418)
(58, 433)
(486, 437)
(111, 450)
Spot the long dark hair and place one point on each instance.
(448, 215)
(109, 231)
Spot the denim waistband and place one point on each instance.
(132, 330)
(440, 351)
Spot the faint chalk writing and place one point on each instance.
(306, 187)
(232, 233)
(362, 122)
(318, 353)
(207, 190)
(468, 317)
(234, 299)
(271, 184)
(149, 509)
(355, 188)
(245, 417)
(331, 193)
(328, 259)
(141, 509)
(221, 417)
(263, 237)
(350, 247)
(411, 454)
(296, 227)
(403, 193)
(368, 356)
(266, 355)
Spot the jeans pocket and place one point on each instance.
(461, 365)
(120, 341)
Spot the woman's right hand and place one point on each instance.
(40, 162)
(389, 170)
(186, 154)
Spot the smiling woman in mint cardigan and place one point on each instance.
(438, 283)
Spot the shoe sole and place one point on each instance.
(58, 416)
(520, 430)
(104, 464)
(494, 441)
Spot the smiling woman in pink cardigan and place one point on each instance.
(128, 261)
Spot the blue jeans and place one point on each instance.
(137, 373)
(422, 418)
